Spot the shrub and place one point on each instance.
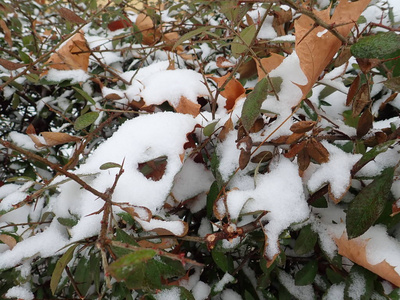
(197, 149)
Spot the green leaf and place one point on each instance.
(376, 46)
(306, 275)
(189, 35)
(123, 237)
(69, 222)
(211, 197)
(306, 241)
(85, 95)
(209, 129)
(395, 294)
(121, 268)
(59, 268)
(222, 260)
(86, 120)
(242, 42)
(374, 152)
(368, 205)
(252, 105)
(109, 165)
(333, 276)
(359, 277)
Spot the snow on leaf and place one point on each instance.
(275, 196)
(180, 88)
(336, 172)
(161, 227)
(314, 50)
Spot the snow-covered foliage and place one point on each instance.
(197, 150)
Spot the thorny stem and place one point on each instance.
(74, 285)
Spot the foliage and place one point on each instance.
(199, 150)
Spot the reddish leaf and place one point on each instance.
(295, 149)
(317, 151)
(353, 90)
(365, 123)
(119, 24)
(154, 169)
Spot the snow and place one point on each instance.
(227, 278)
(357, 287)
(335, 292)
(229, 294)
(171, 85)
(304, 292)
(274, 195)
(76, 76)
(168, 294)
(201, 291)
(336, 171)
(19, 292)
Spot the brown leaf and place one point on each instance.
(361, 99)
(366, 64)
(7, 32)
(154, 169)
(302, 126)
(365, 123)
(70, 16)
(261, 157)
(354, 87)
(294, 137)
(8, 240)
(170, 39)
(73, 55)
(355, 250)
(269, 63)
(9, 65)
(30, 129)
(395, 208)
(317, 151)
(343, 57)
(296, 148)
(232, 90)
(244, 158)
(228, 126)
(186, 106)
(112, 96)
(57, 138)
(146, 26)
(303, 160)
(257, 126)
(314, 50)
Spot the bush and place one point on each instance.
(199, 150)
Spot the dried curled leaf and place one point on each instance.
(73, 55)
(317, 151)
(233, 89)
(8, 240)
(302, 126)
(50, 139)
(315, 46)
(9, 65)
